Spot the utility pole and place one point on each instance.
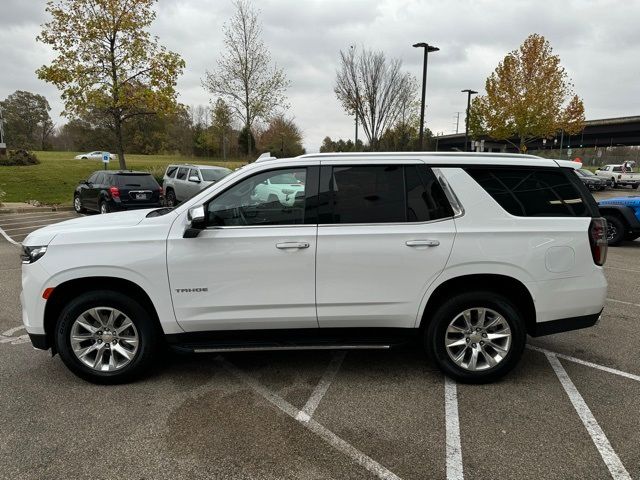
(466, 120)
(355, 145)
(427, 48)
(457, 120)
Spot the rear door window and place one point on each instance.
(182, 173)
(535, 192)
(382, 194)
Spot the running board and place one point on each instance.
(252, 348)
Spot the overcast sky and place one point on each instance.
(598, 43)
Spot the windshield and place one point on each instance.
(285, 179)
(214, 174)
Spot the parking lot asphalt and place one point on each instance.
(568, 410)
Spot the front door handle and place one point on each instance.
(422, 243)
(287, 245)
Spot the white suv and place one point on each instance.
(464, 253)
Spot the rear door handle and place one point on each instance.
(286, 245)
(422, 243)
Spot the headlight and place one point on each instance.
(31, 254)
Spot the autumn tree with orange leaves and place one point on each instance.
(529, 96)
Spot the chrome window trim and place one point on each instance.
(458, 209)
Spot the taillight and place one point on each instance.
(115, 192)
(161, 192)
(598, 240)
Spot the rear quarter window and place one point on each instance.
(171, 171)
(536, 192)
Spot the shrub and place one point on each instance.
(19, 158)
(2, 194)
(157, 172)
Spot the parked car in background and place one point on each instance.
(182, 182)
(620, 175)
(108, 191)
(623, 218)
(591, 180)
(93, 156)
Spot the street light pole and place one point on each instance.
(427, 48)
(466, 119)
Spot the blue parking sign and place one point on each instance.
(106, 157)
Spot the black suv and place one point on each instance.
(106, 192)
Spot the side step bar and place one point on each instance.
(254, 348)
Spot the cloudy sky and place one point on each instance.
(598, 42)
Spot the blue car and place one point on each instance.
(623, 218)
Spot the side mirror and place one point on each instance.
(196, 218)
(194, 179)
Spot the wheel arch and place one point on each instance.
(73, 288)
(510, 287)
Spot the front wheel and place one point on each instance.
(615, 230)
(476, 337)
(106, 337)
(77, 205)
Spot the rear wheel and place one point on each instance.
(476, 337)
(615, 230)
(106, 337)
(77, 204)
(104, 206)
(170, 198)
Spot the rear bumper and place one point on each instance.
(117, 206)
(565, 325)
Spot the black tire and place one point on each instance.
(77, 204)
(615, 230)
(147, 332)
(435, 335)
(170, 199)
(103, 206)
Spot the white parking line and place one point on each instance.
(6, 337)
(623, 269)
(7, 237)
(5, 225)
(455, 469)
(611, 459)
(34, 227)
(624, 303)
(31, 216)
(586, 363)
(314, 400)
(320, 430)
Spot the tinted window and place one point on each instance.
(533, 192)
(92, 178)
(425, 198)
(214, 174)
(368, 194)
(100, 179)
(182, 173)
(256, 201)
(171, 171)
(137, 181)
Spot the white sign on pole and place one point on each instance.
(106, 157)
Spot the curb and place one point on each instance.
(35, 209)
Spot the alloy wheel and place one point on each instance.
(104, 339)
(76, 204)
(478, 339)
(612, 231)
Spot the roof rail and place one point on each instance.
(415, 154)
(264, 157)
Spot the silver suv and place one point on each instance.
(182, 182)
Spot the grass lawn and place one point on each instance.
(54, 179)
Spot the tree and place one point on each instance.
(282, 137)
(108, 62)
(28, 124)
(374, 88)
(222, 124)
(528, 97)
(244, 76)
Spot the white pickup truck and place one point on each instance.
(620, 176)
